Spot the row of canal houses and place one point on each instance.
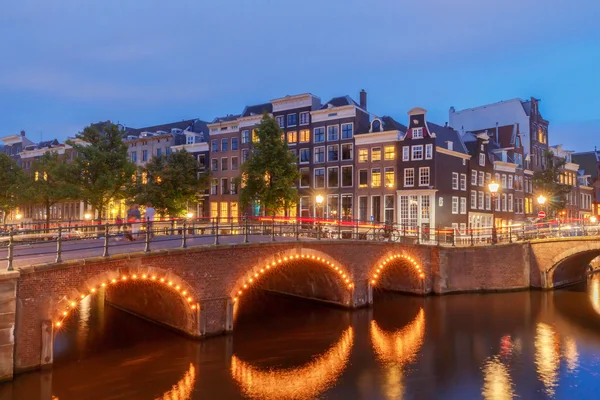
(367, 167)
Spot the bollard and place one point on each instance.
(217, 231)
(105, 254)
(11, 248)
(246, 230)
(183, 237)
(59, 246)
(147, 247)
(273, 229)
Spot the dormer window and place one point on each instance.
(191, 139)
(376, 125)
(417, 133)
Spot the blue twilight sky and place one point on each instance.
(67, 63)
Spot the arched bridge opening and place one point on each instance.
(399, 272)
(573, 265)
(302, 273)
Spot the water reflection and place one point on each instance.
(497, 384)
(183, 389)
(303, 382)
(594, 292)
(547, 356)
(396, 350)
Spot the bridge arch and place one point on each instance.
(117, 285)
(571, 265)
(317, 265)
(399, 271)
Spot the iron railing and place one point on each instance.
(21, 245)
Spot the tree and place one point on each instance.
(102, 170)
(547, 182)
(49, 183)
(270, 175)
(170, 183)
(12, 179)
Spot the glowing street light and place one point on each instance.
(593, 219)
(189, 214)
(87, 216)
(493, 187)
(19, 216)
(319, 199)
(541, 200)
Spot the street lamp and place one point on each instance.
(593, 219)
(493, 187)
(190, 215)
(541, 200)
(19, 216)
(87, 216)
(319, 200)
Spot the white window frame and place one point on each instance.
(455, 181)
(324, 134)
(300, 156)
(327, 133)
(414, 149)
(315, 154)
(463, 205)
(305, 113)
(405, 153)
(421, 170)
(366, 150)
(473, 177)
(412, 170)
(417, 133)
(463, 182)
(341, 130)
(481, 178)
(300, 180)
(341, 179)
(428, 151)
(280, 120)
(455, 205)
(381, 178)
(287, 120)
(315, 178)
(338, 177)
(473, 200)
(338, 153)
(510, 202)
(480, 200)
(482, 159)
(351, 151)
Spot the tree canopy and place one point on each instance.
(170, 182)
(12, 179)
(101, 170)
(270, 174)
(546, 182)
(49, 182)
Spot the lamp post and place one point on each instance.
(319, 200)
(493, 187)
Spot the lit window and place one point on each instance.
(292, 137)
(389, 153)
(376, 154)
(304, 136)
(254, 136)
(376, 177)
(363, 155)
(390, 180)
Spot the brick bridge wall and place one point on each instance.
(559, 262)
(196, 290)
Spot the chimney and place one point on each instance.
(452, 110)
(363, 99)
(23, 133)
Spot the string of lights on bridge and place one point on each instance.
(343, 275)
(72, 304)
(390, 259)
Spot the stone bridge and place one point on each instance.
(199, 290)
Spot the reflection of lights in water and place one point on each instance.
(547, 356)
(307, 381)
(571, 354)
(496, 380)
(594, 292)
(396, 350)
(83, 326)
(182, 390)
(401, 346)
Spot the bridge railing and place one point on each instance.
(70, 241)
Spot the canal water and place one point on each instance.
(527, 345)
